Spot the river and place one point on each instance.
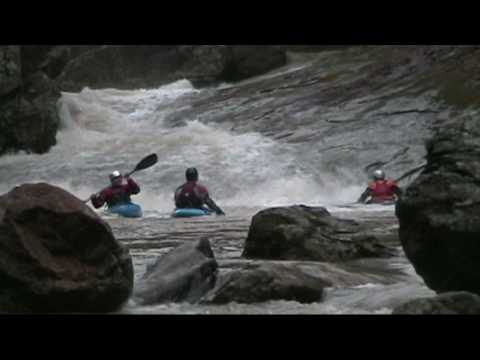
(256, 144)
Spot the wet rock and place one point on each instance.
(10, 69)
(313, 48)
(129, 67)
(183, 275)
(341, 275)
(57, 255)
(29, 121)
(309, 233)
(121, 67)
(55, 61)
(33, 56)
(247, 61)
(203, 65)
(28, 115)
(452, 303)
(439, 214)
(267, 282)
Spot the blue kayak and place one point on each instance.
(129, 210)
(190, 213)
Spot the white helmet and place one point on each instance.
(379, 175)
(115, 175)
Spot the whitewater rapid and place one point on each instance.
(109, 129)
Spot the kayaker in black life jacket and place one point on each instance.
(194, 195)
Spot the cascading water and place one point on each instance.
(104, 130)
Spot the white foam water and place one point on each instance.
(109, 129)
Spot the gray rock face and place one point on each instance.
(247, 61)
(267, 282)
(308, 233)
(439, 214)
(128, 67)
(121, 67)
(349, 110)
(30, 120)
(10, 69)
(28, 116)
(183, 275)
(452, 303)
(57, 255)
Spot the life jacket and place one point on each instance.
(191, 195)
(116, 195)
(382, 190)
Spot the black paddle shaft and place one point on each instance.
(146, 162)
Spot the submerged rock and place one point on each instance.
(57, 255)
(183, 275)
(309, 233)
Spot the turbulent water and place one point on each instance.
(245, 171)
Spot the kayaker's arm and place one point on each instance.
(398, 192)
(97, 200)
(177, 198)
(133, 187)
(366, 194)
(211, 204)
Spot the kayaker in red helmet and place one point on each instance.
(117, 193)
(194, 195)
(380, 191)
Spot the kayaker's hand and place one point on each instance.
(220, 213)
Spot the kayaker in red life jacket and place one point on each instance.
(380, 190)
(117, 193)
(194, 195)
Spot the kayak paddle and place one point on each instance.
(145, 163)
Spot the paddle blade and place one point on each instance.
(150, 160)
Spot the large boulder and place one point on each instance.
(29, 121)
(10, 69)
(309, 233)
(57, 255)
(266, 282)
(452, 303)
(183, 275)
(28, 113)
(439, 214)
